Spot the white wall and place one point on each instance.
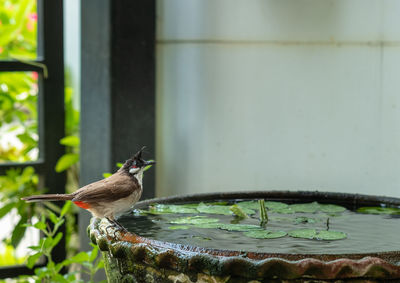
(278, 94)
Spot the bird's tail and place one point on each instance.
(48, 197)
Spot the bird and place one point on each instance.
(111, 197)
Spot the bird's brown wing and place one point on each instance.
(110, 189)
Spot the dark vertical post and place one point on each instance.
(132, 84)
(117, 88)
(53, 124)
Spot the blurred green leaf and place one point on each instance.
(60, 279)
(57, 238)
(19, 231)
(33, 259)
(70, 141)
(52, 217)
(93, 253)
(59, 223)
(65, 208)
(40, 225)
(6, 209)
(66, 161)
(148, 166)
(78, 258)
(106, 175)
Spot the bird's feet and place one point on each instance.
(116, 225)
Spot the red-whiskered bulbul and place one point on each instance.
(110, 197)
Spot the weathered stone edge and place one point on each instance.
(132, 248)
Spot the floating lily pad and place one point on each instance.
(249, 204)
(265, 234)
(239, 227)
(208, 225)
(332, 208)
(194, 220)
(172, 208)
(318, 235)
(179, 227)
(219, 209)
(213, 209)
(304, 220)
(303, 233)
(286, 210)
(379, 210)
(331, 235)
(275, 205)
(306, 207)
(313, 207)
(270, 205)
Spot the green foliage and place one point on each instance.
(8, 257)
(88, 261)
(19, 124)
(66, 161)
(18, 29)
(18, 90)
(18, 115)
(16, 184)
(379, 210)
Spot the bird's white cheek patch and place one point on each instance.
(133, 170)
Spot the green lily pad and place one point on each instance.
(275, 205)
(306, 207)
(172, 208)
(317, 235)
(194, 220)
(331, 235)
(179, 227)
(271, 205)
(265, 234)
(249, 204)
(304, 220)
(286, 210)
(208, 225)
(239, 227)
(303, 233)
(332, 208)
(219, 209)
(213, 209)
(379, 210)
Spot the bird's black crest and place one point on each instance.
(136, 159)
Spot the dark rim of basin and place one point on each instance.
(184, 258)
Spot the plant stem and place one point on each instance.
(238, 211)
(263, 212)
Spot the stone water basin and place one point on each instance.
(309, 236)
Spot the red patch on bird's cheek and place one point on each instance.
(82, 204)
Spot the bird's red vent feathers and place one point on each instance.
(82, 204)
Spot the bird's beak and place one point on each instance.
(149, 162)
